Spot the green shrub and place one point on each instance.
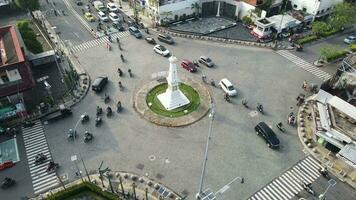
(329, 53)
(29, 37)
(247, 20)
(328, 33)
(85, 186)
(307, 39)
(353, 47)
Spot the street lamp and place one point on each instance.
(331, 183)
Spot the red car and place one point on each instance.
(7, 164)
(188, 65)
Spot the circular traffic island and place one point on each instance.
(147, 104)
(155, 105)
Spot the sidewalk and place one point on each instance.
(335, 165)
(127, 10)
(129, 181)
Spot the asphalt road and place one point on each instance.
(127, 142)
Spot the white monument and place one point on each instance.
(173, 97)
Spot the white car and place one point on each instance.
(112, 7)
(161, 50)
(102, 16)
(227, 87)
(114, 17)
(350, 39)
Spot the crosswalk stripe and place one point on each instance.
(279, 188)
(311, 164)
(49, 183)
(314, 162)
(281, 195)
(264, 194)
(286, 191)
(308, 180)
(274, 193)
(269, 193)
(44, 179)
(34, 138)
(304, 64)
(309, 170)
(289, 184)
(294, 180)
(261, 197)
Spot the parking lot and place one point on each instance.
(174, 155)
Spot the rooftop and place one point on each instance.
(10, 50)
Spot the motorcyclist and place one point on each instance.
(203, 77)
(259, 107)
(120, 84)
(280, 125)
(122, 57)
(244, 102)
(227, 97)
(118, 105)
(106, 98)
(119, 71)
(109, 110)
(130, 72)
(99, 110)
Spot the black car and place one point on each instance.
(79, 2)
(99, 83)
(267, 133)
(165, 38)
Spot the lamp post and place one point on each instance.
(331, 183)
(200, 194)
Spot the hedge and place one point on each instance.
(353, 47)
(85, 186)
(328, 33)
(307, 39)
(335, 55)
(29, 37)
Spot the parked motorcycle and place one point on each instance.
(281, 127)
(119, 71)
(323, 171)
(122, 58)
(106, 98)
(203, 78)
(7, 182)
(212, 83)
(292, 120)
(130, 73)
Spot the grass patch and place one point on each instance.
(158, 108)
(29, 37)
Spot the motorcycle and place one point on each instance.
(84, 118)
(52, 166)
(7, 182)
(71, 134)
(130, 73)
(119, 71)
(203, 78)
(292, 120)
(260, 108)
(118, 106)
(99, 111)
(98, 121)
(280, 127)
(323, 171)
(308, 188)
(227, 98)
(244, 102)
(120, 85)
(106, 98)
(28, 124)
(122, 58)
(40, 158)
(108, 111)
(88, 136)
(212, 83)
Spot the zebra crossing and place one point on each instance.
(35, 142)
(97, 42)
(289, 184)
(304, 64)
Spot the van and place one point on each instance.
(267, 133)
(135, 32)
(227, 87)
(165, 38)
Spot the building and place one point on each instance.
(317, 8)
(5, 2)
(175, 10)
(15, 74)
(335, 126)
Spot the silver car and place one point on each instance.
(350, 39)
(206, 61)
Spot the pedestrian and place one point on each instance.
(305, 85)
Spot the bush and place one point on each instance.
(247, 20)
(29, 37)
(330, 53)
(328, 33)
(353, 47)
(307, 39)
(85, 186)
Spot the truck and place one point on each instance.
(99, 6)
(62, 112)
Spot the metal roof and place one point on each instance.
(323, 96)
(348, 152)
(343, 106)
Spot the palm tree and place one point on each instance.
(196, 6)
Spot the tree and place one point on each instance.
(343, 15)
(246, 20)
(28, 5)
(319, 27)
(197, 8)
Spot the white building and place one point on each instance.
(5, 2)
(174, 10)
(318, 8)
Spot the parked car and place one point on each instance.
(99, 6)
(227, 87)
(206, 61)
(350, 39)
(165, 38)
(99, 83)
(79, 2)
(267, 133)
(112, 7)
(6, 164)
(188, 65)
(160, 49)
(102, 16)
(89, 17)
(150, 40)
(118, 26)
(114, 17)
(135, 32)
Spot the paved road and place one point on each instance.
(174, 155)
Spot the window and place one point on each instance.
(3, 77)
(304, 9)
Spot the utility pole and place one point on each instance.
(199, 195)
(122, 187)
(134, 190)
(85, 168)
(101, 172)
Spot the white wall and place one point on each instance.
(179, 8)
(243, 9)
(313, 6)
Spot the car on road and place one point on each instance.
(6, 164)
(79, 2)
(165, 38)
(150, 40)
(99, 6)
(227, 87)
(89, 17)
(350, 39)
(160, 49)
(99, 83)
(206, 61)
(102, 16)
(112, 7)
(188, 65)
(267, 133)
(118, 26)
(114, 17)
(135, 32)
